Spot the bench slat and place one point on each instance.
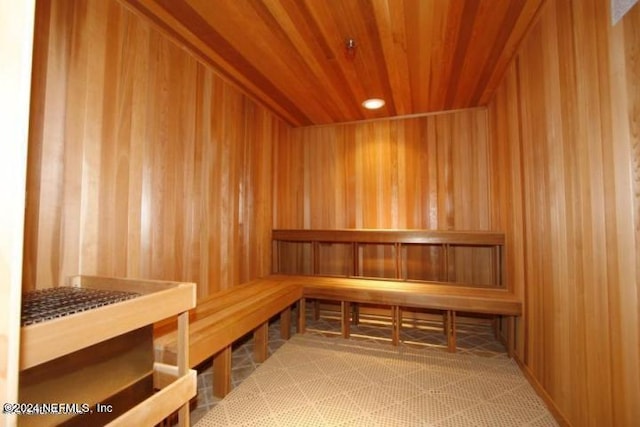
(228, 315)
(408, 294)
(219, 330)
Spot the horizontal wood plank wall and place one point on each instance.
(566, 120)
(143, 162)
(429, 172)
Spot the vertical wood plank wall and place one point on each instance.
(430, 172)
(16, 39)
(566, 130)
(143, 162)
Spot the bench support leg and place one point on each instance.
(285, 324)
(345, 318)
(316, 310)
(222, 373)
(445, 319)
(355, 315)
(183, 362)
(496, 323)
(511, 331)
(396, 323)
(451, 331)
(302, 316)
(261, 343)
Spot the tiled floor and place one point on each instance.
(318, 379)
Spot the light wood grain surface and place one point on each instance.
(45, 341)
(408, 294)
(565, 122)
(431, 173)
(471, 238)
(143, 162)
(16, 35)
(472, 257)
(420, 56)
(423, 173)
(227, 316)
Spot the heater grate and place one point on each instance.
(47, 304)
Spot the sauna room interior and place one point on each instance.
(170, 141)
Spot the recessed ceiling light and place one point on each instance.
(373, 103)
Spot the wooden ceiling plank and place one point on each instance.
(484, 45)
(505, 30)
(300, 73)
(416, 36)
(335, 34)
(307, 38)
(181, 31)
(452, 24)
(528, 15)
(375, 58)
(393, 37)
(268, 46)
(421, 56)
(350, 24)
(425, 26)
(261, 45)
(462, 24)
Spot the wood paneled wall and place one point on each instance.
(431, 172)
(566, 129)
(143, 162)
(16, 37)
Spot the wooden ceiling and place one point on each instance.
(421, 56)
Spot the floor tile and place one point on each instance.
(320, 379)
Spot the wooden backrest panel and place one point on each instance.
(470, 257)
(479, 238)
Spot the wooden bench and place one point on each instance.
(225, 317)
(429, 265)
(398, 294)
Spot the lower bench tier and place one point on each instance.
(228, 315)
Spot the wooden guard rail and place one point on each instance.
(398, 239)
